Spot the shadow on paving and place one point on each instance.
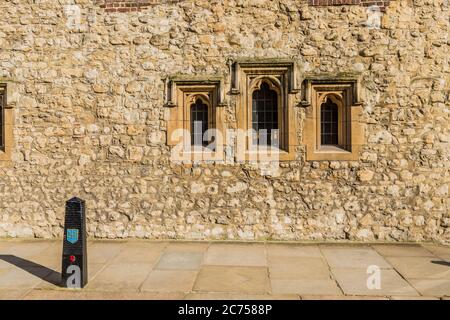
(51, 276)
(444, 263)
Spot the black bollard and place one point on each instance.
(74, 259)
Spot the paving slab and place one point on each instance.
(305, 287)
(9, 294)
(187, 246)
(276, 251)
(254, 280)
(236, 255)
(103, 252)
(421, 267)
(26, 248)
(180, 261)
(49, 260)
(4, 264)
(220, 270)
(353, 257)
(432, 287)
(18, 278)
(402, 251)
(234, 296)
(148, 253)
(413, 298)
(49, 257)
(307, 297)
(120, 277)
(442, 252)
(5, 243)
(294, 268)
(12, 261)
(169, 281)
(354, 282)
(93, 295)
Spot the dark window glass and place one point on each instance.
(265, 116)
(329, 123)
(2, 119)
(199, 123)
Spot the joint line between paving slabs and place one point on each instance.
(153, 267)
(25, 294)
(267, 267)
(103, 267)
(434, 254)
(329, 269)
(201, 266)
(398, 272)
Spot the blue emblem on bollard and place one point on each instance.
(72, 235)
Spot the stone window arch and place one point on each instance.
(190, 101)
(333, 128)
(334, 120)
(248, 77)
(266, 116)
(329, 122)
(2, 122)
(200, 120)
(6, 125)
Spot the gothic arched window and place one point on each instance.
(2, 125)
(265, 116)
(199, 123)
(329, 123)
(6, 126)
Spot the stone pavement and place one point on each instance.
(29, 269)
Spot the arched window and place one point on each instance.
(2, 125)
(329, 126)
(199, 122)
(265, 116)
(333, 129)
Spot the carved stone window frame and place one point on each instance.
(181, 94)
(277, 88)
(7, 125)
(281, 75)
(345, 93)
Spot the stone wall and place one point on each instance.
(87, 93)
(381, 4)
(138, 5)
(130, 5)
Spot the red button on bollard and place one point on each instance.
(72, 258)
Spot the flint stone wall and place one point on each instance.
(90, 121)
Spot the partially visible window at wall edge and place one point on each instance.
(2, 116)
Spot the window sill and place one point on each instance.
(332, 149)
(267, 154)
(332, 153)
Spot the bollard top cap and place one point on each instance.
(76, 199)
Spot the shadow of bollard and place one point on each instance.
(443, 263)
(37, 270)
